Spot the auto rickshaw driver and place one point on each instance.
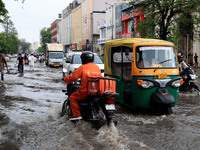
(147, 60)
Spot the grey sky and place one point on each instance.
(29, 18)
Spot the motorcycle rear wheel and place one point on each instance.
(194, 87)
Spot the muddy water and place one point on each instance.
(29, 119)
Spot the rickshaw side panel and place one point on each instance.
(120, 86)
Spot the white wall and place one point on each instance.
(66, 28)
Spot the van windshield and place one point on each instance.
(56, 55)
(156, 57)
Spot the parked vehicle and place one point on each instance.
(54, 55)
(97, 107)
(73, 61)
(188, 77)
(146, 72)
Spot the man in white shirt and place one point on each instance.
(31, 61)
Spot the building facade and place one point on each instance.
(77, 27)
(66, 28)
(196, 47)
(55, 31)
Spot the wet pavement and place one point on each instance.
(30, 106)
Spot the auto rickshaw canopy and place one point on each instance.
(129, 42)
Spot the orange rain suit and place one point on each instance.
(83, 72)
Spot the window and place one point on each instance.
(56, 55)
(156, 56)
(103, 33)
(130, 25)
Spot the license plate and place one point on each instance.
(110, 107)
(162, 75)
(56, 65)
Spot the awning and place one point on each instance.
(128, 7)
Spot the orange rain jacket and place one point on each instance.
(83, 72)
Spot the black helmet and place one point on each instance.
(87, 56)
(180, 57)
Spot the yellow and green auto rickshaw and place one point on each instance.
(146, 73)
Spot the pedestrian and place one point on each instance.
(26, 59)
(196, 60)
(31, 62)
(3, 63)
(20, 62)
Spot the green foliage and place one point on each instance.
(9, 43)
(168, 19)
(24, 46)
(8, 25)
(3, 10)
(45, 34)
(41, 50)
(9, 38)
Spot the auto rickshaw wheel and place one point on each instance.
(169, 110)
(163, 109)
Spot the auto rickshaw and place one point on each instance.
(146, 73)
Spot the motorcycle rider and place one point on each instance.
(182, 64)
(20, 62)
(87, 69)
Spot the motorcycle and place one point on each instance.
(188, 77)
(95, 108)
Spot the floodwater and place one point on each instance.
(30, 106)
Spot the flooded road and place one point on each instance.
(30, 106)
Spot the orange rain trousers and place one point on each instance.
(83, 72)
(74, 98)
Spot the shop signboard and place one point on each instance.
(101, 41)
(126, 15)
(73, 47)
(118, 16)
(102, 24)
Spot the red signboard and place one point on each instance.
(127, 16)
(73, 47)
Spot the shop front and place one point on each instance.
(127, 20)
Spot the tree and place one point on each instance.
(9, 43)
(24, 46)
(21, 1)
(3, 10)
(167, 19)
(8, 25)
(45, 34)
(9, 38)
(41, 50)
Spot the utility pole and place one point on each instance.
(187, 46)
(133, 24)
(112, 18)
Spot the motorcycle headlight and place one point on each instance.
(145, 84)
(176, 84)
(193, 76)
